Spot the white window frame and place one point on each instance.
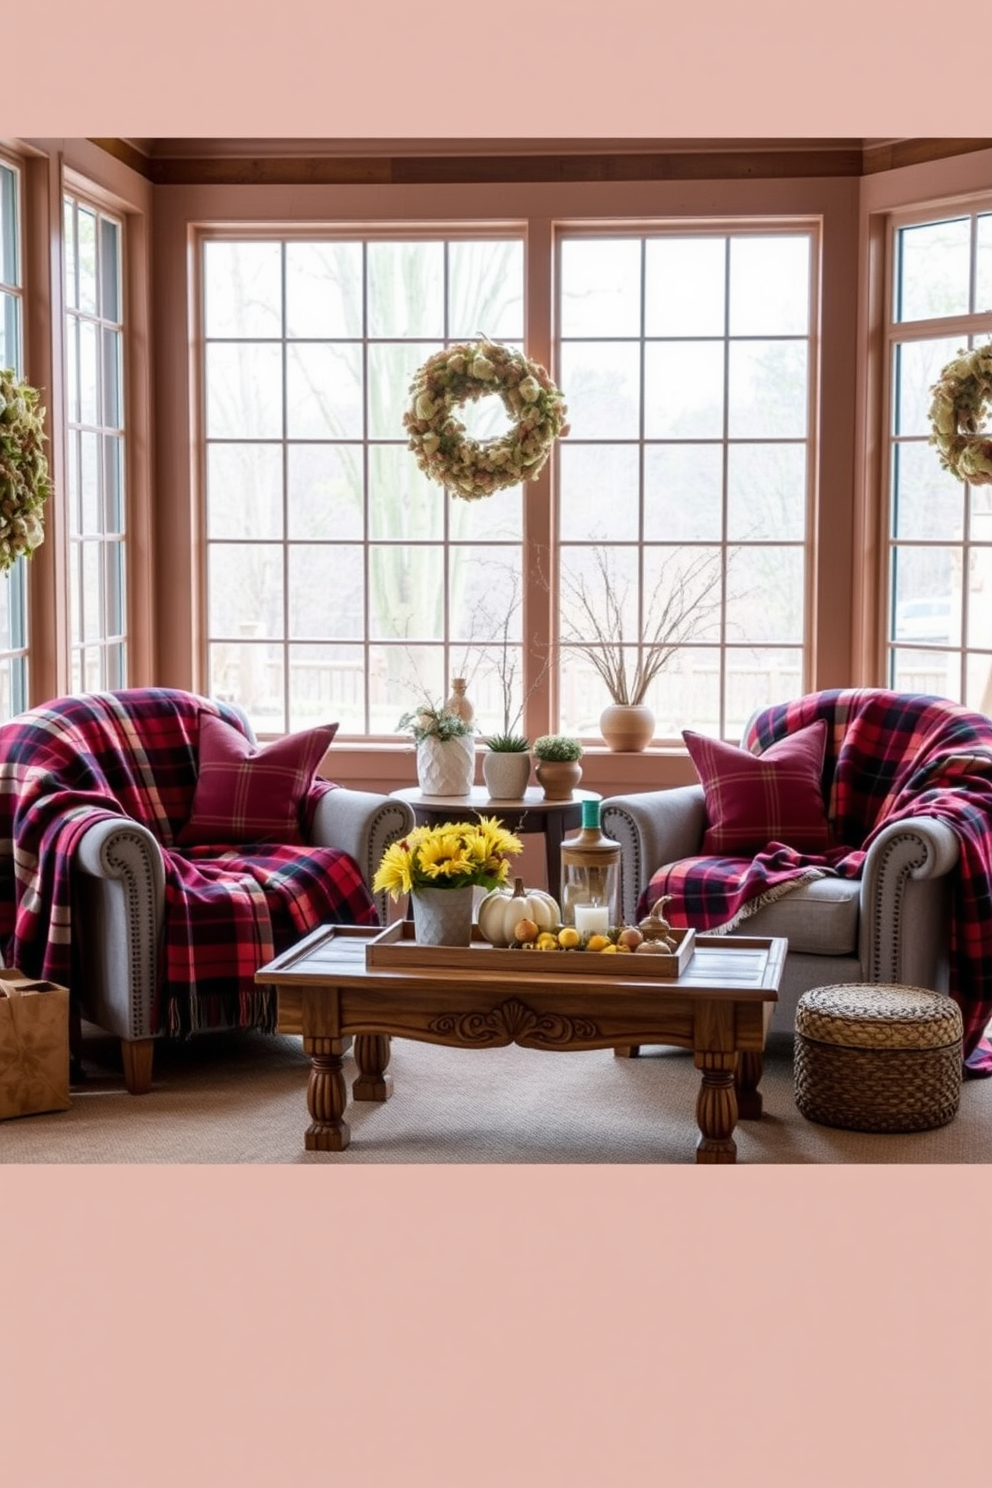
(967, 329)
(15, 656)
(457, 655)
(789, 680)
(98, 649)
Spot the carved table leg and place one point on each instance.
(372, 1056)
(327, 1096)
(716, 1107)
(750, 1064)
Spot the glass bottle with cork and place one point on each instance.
(590, 876)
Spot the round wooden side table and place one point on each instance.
(532, 813)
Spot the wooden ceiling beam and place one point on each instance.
(328, 163)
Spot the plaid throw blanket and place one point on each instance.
(888, 756)
(133, 755)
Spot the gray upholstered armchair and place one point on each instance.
(97, 792)
(120, 887)
(892, 923)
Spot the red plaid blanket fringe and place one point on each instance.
(888, 756)
(133, 754)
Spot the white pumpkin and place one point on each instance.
(503, 908)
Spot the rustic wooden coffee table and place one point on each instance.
(719, 1007)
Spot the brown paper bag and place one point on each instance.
(34, 1045)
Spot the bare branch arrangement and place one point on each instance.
(683, 597)
(504, 656)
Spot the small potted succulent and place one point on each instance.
(445, 749)
(558, 769)
(506, 766)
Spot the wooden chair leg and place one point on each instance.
(77, 1075)
(137, 1056)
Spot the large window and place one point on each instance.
(940, 530)
(340, 581)
(685, 482)
(13, 584)
(95, 422)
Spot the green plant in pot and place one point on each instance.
(556, 747)
(445, 749)
(506, 766)
(507, 743)
(558, 769)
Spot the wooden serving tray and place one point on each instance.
(397, 947)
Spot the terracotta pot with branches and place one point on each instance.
(596, 624)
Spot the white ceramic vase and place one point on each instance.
(446, 767)
(443, 916)
(506, 773)
(458, 703)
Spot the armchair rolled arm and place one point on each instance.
(126, 850)
(903, 932)
(121, 893)
(362, 824)
(652, 828)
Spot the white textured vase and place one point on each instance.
(446, 767)
(443, 916)
(506, 773)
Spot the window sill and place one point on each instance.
(383, 766)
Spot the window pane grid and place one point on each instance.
(97, 446)
(329, 557)
(13, 583)
(700, 446)
(353, 581)
(937, 593)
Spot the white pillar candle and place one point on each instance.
(591, 917)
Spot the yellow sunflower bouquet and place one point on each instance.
(454, 855)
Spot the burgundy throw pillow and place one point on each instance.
(754, 799)
(247, 794)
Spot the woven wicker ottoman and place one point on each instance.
(878, 1058)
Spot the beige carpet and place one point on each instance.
(241, 1098)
